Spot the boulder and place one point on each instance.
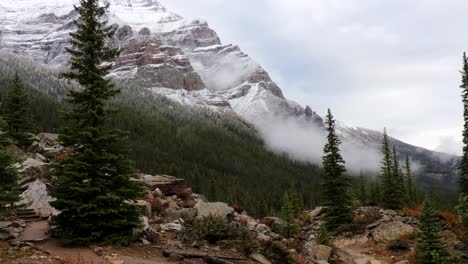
(31, 169)
(341, 256)
(322, 252)
(316, 212)
(260, 258)
(403, 262)
(168, 185)
(218, 208)
(390, 231)
(37, 198)
(362, 261)
(185, 212)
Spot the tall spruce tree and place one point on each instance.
(336, 186)
(398, 178)
(362, 192)
(17, 112)
(410, 187)
(288, 214)
(390, 198)
(9, 187)
(464, 161)
(430, 248)
(93, 185)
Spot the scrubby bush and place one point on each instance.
(212, 228)
(398, 245)
(277, 253)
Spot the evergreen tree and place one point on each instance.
(93, 186)
(337, 198)
(464, 161)
(17, 112)
(398, 178)
(289, 216)
(323, 237)
(362, 194)
(430, 248)
(9, 187)
(462, 211)
(390, 197)
(410, 187)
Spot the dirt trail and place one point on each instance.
(35, 231)
(90, 257)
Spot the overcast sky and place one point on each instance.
(375, 63)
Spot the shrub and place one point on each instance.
(412, 211)
(452, 220)
(212, 228)
(277, 253)
(323, 237)
(399, 245)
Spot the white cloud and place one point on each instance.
(388, 63)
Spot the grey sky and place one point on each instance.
(376, 63)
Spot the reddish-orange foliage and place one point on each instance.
(413, 211)
(303, 217)
(267, 221)
(294, 243)
(452, 220)
(237, 208)
(300, 259)
(359, 219)
(62, 156)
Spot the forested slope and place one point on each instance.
(219, 154)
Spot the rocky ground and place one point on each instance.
(376, 236)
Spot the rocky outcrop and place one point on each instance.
(219, 209)
(37, 198)
(168, 185)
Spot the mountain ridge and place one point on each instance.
(180, 59)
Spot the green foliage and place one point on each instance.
(17, 112)
(410, 187)
(9, 188)
(93, 185)
(392, 183)
(212, 228)
(430, 249)
(289, 213)
(218, 154)
(464, 161)
(277, 253)
(462, 211)
(362, 192)
(323, 237)
(398, 178)
(337, 198)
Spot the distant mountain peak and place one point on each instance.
(136, 3)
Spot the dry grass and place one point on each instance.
(412, 211)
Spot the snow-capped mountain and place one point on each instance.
(167, 54)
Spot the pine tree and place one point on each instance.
(362, 195)
(398, 179)
(17, 112)
(462, 211)
(336, 186)
(410, 187)
(430, 248)
(288, 215)
(93, 186)
(464, 161)
(390, 197)
(9, 187)
(323, 237)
